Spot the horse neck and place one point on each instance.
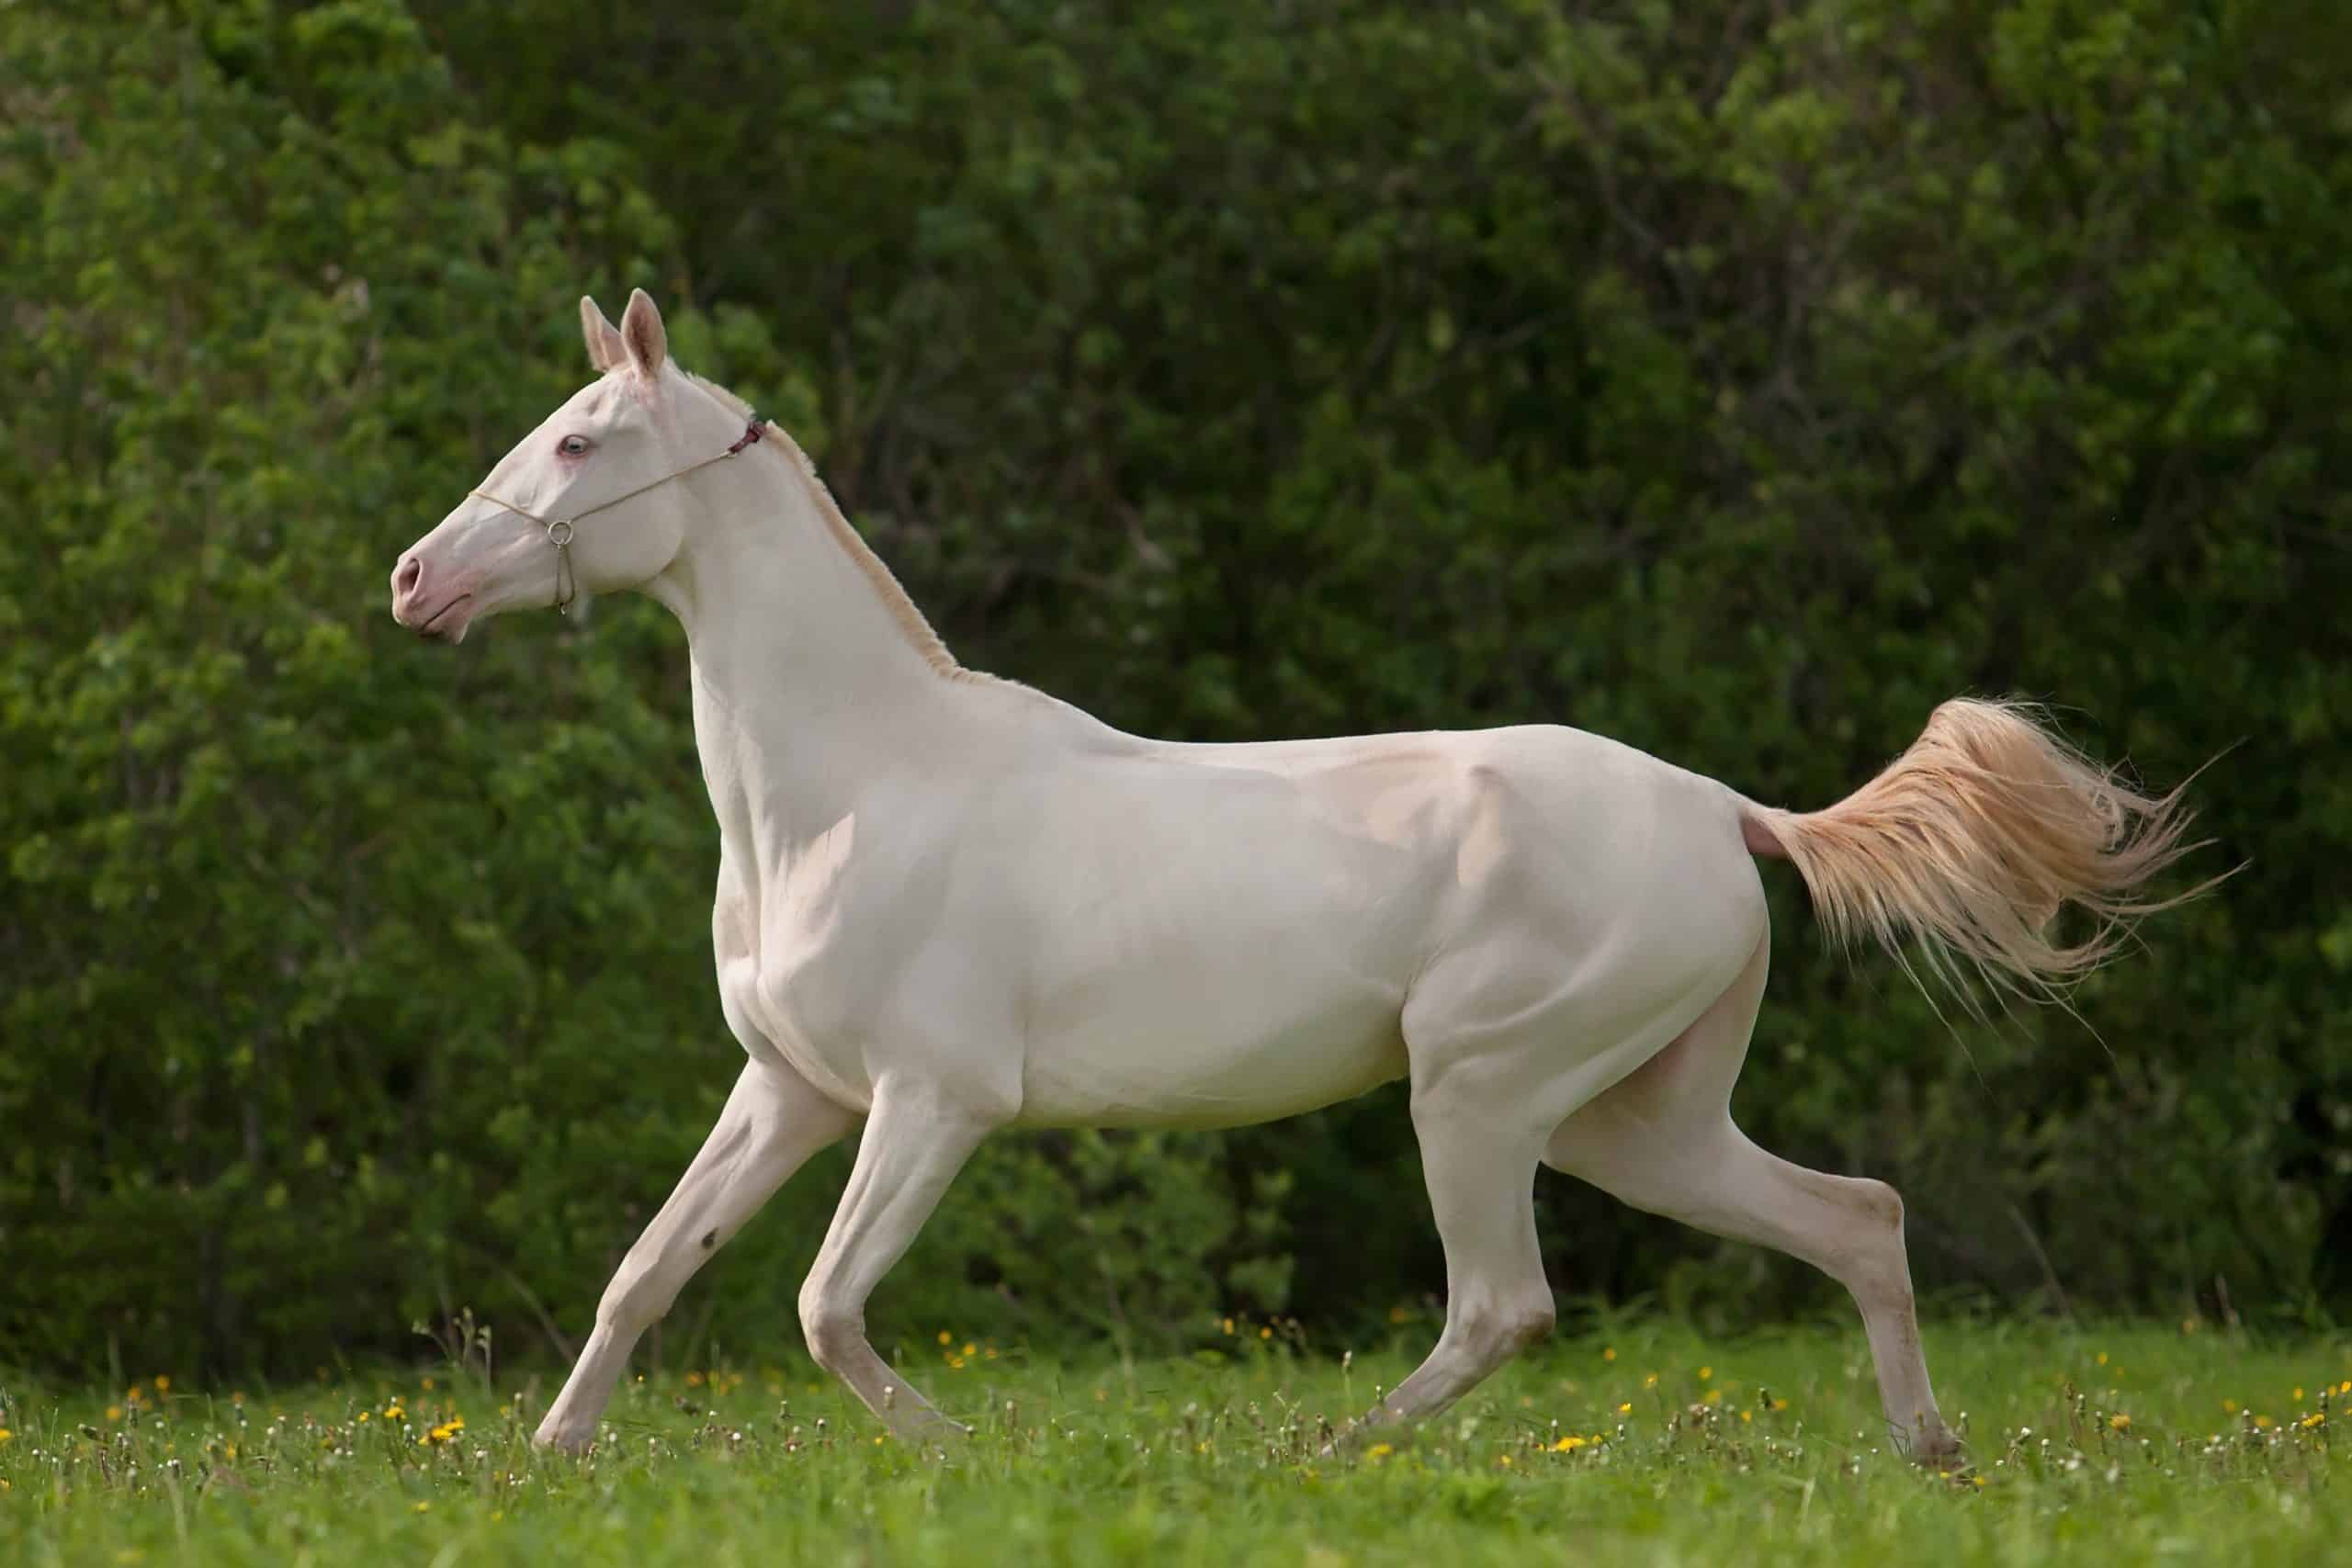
(807, 682)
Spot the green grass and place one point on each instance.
(2118, 1445)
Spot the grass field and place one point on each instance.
(1643, 1444)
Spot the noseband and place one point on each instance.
(559, 529)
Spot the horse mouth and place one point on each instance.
(453, 632)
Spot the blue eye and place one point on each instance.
(574, 446)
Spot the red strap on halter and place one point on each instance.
(750, 433)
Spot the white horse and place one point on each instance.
(948, 904)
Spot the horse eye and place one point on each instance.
(574, 446)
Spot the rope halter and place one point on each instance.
(560, 530)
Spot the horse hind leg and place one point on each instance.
(1482, 1190)
(1483, 1118)
(1663, 1140)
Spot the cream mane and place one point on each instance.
(903, 610)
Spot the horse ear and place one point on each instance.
(641, 330)
(605, 346)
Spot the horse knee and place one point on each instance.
(636, 1298)
(832, 1330)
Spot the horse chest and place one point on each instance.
(793, 985)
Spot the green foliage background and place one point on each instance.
(1735, 380)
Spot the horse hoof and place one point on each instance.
(551, 1441)
(1936, 1450)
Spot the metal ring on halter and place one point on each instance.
(566, 581)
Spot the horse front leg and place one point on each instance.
(916, 1140)
(773, 1122)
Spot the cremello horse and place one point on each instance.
(949, 904)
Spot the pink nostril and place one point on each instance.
(405, 579)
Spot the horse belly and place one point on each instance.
(1186, 1047)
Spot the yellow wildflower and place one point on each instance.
(6, 1435)
(114, 1412)
(945, 1338)
(2118, 1423)
(1568, 1445)
(1378, 1451)
(1609, 1353)
(1625, 1408)
(1706, 1372)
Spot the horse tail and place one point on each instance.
(1973, 839)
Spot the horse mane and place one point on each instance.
(910, 620)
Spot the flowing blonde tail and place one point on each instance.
(1973, 839)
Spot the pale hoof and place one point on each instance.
(1351, 1440)
(551, 1439)
(946, 1437)
(1938, 1449)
